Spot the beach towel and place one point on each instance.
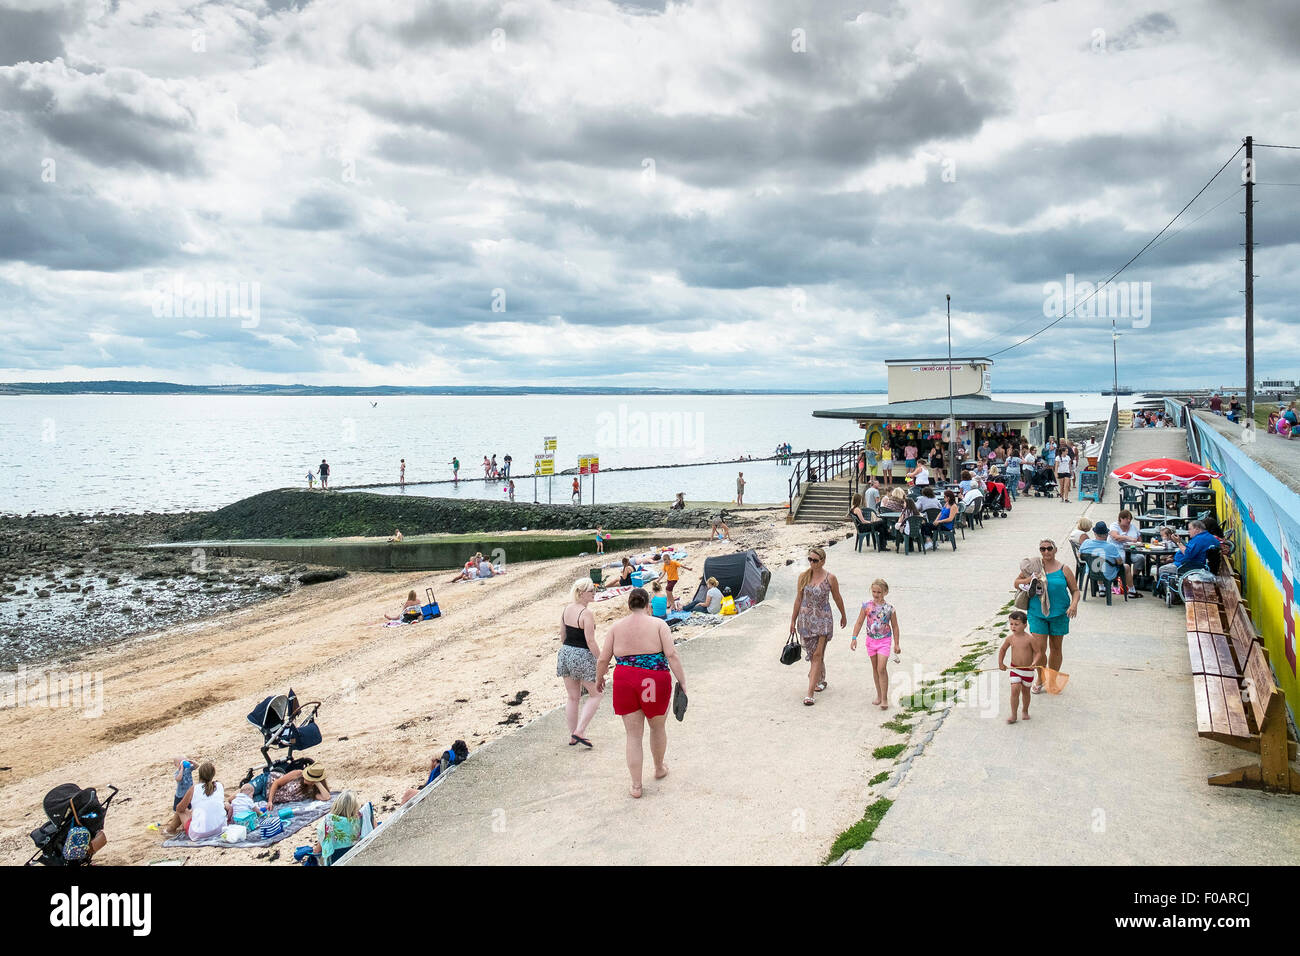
(608, 593)
(305, 813)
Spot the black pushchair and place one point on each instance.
(66, 806)
(1043, 484)
(288, 725)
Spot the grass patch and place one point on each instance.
(917, 702)
(888, 752)
(897, 726)
(856, 836)
(961, 667)
(878, 778)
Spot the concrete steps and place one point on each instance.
(824, 502)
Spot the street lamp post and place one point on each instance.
(952, 423)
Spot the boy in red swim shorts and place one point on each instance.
(1022, 667)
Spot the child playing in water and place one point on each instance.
(600, 540)
(882, 630)
(1022, 661)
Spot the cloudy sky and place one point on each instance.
(741, 193)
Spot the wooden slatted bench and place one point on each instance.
(1237, 701)
(1224, 711)
(1202, 616)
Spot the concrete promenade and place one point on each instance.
(756, 777)
(1109, 772)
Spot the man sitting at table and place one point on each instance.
(1123, 533)
(1107, 557)
(1192, 555)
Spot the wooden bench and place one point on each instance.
(1202, 616)
(1250, 715)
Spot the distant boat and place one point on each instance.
(1122, 390)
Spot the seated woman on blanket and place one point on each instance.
(299, 785)
(411, 602)
(339, 829)
(625, 574)
(201, 813)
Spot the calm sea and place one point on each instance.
(90, 453)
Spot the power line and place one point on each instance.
(1275, 146)
(1232, 194)
(1112, 276)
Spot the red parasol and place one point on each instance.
(1164, 470)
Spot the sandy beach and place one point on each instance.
(391, 697)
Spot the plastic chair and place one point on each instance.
(863, 531)
(911, 535)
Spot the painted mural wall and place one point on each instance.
(1265, 517)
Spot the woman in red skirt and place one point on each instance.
(644, 655)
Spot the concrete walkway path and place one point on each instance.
(756, 777)
(1109, 772)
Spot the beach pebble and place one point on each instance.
(42, 593)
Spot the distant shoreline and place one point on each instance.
(19, 389)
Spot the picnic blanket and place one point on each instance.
(305, 813)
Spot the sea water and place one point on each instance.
(89, 453)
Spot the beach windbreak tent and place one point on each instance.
(742, 572)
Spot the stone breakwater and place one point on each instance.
(299, 513)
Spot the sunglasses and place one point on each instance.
(1052, 548)
(814, 560)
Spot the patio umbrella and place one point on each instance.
(1163, 470)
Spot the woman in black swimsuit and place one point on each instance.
(576, 661)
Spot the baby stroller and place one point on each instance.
(284, 723)
(67, 806)
(1043, 484)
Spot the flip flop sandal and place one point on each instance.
(1036, 689)
(581, 740)
(821, 686)
(808, 701)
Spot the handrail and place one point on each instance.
(1107, 443)
(827, 463)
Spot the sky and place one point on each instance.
(736, 194)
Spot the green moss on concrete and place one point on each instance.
(889, 751)
(856, 836)
(878, 778)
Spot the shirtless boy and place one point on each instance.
(1023, 660)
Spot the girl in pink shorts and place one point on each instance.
(881, 621)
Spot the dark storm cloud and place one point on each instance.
(780, 136)
(318, 211)
(35, 35)
(116, 119)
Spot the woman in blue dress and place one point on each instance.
(1049, 618)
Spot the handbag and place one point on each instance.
(792, 651)
(77, 845)
(679, 702)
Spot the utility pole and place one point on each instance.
(1250, 280)
(1114, 354)
(952, 435)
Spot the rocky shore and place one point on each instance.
(72, 582)
(69, 583)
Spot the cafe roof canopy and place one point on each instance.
(965, 408)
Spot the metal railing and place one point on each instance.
(1107, 443)
(818, 466)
